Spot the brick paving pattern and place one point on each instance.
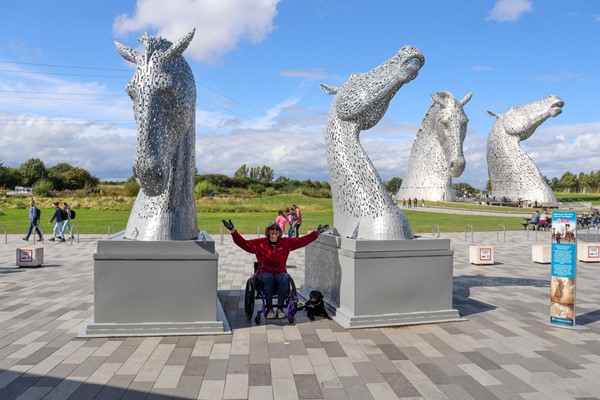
(500, 351)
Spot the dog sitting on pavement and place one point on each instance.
(315, 306)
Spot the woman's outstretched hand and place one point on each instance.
(322, 228)
(228, 225)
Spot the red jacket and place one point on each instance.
(272, 259)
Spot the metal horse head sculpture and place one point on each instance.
(163, 92)
(437, 153)
(512, 173)
(362, 208)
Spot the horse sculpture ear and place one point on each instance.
(179, 47)
(328, 89)
(128, 53)
(466, 99)
(493, 114)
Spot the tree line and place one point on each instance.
(246, 180)
(45, 180)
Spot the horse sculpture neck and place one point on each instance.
(512, 173)
(163, 92)
(362, 208)
(437, 154)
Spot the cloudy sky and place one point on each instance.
(258, 65)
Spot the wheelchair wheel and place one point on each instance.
(249, 297)
(293, 300)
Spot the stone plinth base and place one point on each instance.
(541, 253)
(156, 288)
(588, 252)
(368, 283)
(481, 255)
(30, 257)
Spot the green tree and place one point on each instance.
(568, 181)
(9, 177)
(266, 173)
(241, 172)
(32, 171)
(393, 185)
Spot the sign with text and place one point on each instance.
(25, 255)
(564, 265)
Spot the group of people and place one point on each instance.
(292, 216)
(61, 218)
(413, 203)
(541, 220)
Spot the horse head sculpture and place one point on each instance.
(362, 208)
(437, 152)
(163, 92)
(512, 173)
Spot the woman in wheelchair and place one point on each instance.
(272, 253)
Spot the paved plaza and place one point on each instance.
(500, 350)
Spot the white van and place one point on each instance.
(21, 191)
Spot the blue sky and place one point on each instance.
(258, 65)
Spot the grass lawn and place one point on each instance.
(99, 214)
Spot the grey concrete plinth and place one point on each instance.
(156, 288)
(369, 283)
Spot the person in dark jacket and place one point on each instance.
(272, 252)
(58, 227)
(34, 219)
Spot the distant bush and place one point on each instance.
(131, 187)
(205, 188)
(42, 187)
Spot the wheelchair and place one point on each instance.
(254, 290)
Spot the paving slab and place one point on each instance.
(500, 350)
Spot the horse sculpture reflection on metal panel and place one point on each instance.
(163, 92)
(437, 153)
(513, 174)
(362, 208)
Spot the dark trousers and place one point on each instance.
(269, 282)
(32, 225)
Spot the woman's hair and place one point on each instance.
(280, 212)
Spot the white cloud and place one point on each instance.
(223, 23)
(482, 68)
(509, 10)
(304, 74)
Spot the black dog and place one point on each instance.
(315, 306)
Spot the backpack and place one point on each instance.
(38, 213)
(72, 213)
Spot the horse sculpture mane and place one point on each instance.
(362, 208)
(163, 92)
(437, 154)
(513, 174)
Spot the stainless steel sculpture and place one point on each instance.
(513, 174)
(362, 208)
(163, 92)
(437, 152)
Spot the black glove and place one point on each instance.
(228, 225)
(322, 228)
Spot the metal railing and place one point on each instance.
(472, 232)
(498, 232)
(76, 229)
(534, 228)
(109, 229)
